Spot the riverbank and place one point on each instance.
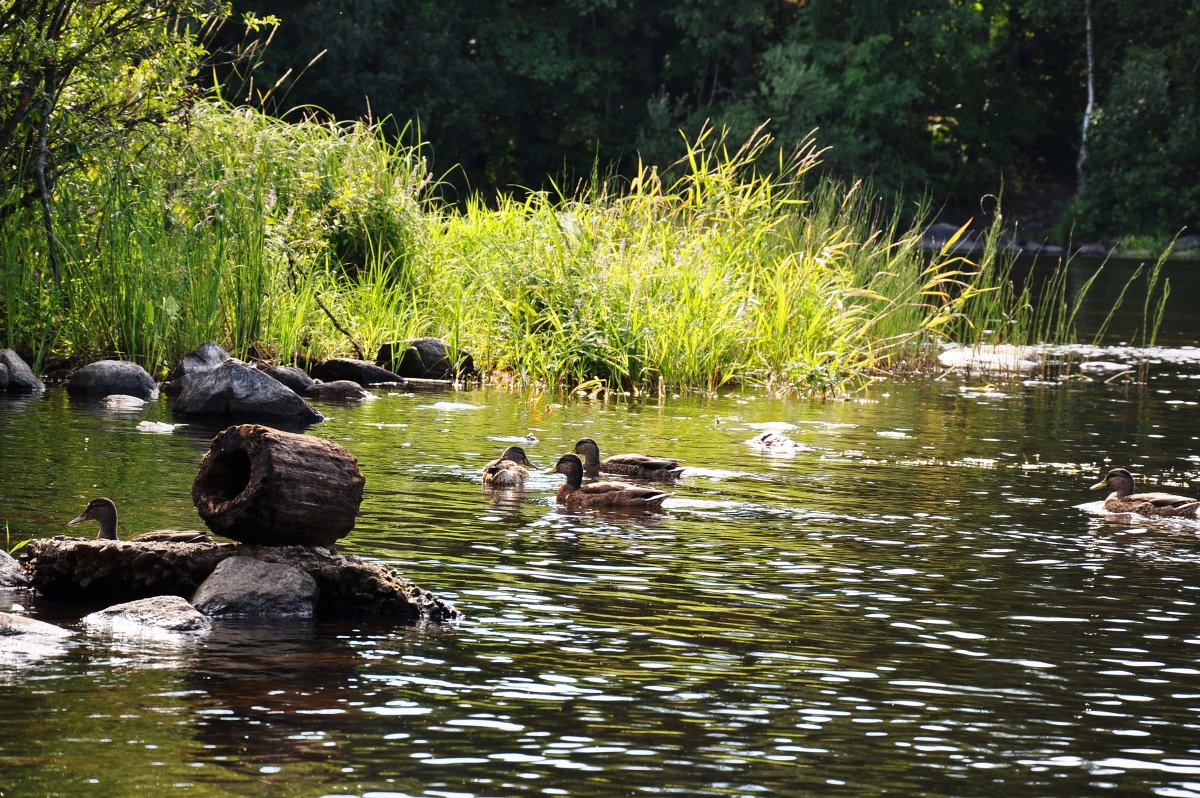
(312, 240)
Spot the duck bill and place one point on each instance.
(1099, 486)
(528, 464)
(78, 520)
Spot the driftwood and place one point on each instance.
(261, 485)
(114, 570)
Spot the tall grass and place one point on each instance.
(738, 266)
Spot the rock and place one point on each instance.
(20, 377)
(237, 390)
(106, 377)
(1003, 358)
(1103, 367)
(245, 586)
(425, 358)
(363, 372)
(23, 638)
(111, 570)
(120, 401)
(261, 485)
(1187, 242)
(150, 615)
(203, 358)
(11, 573)
(158, 427)
(3, 378)
(338, 391)
(1092, 251)
(290, 376)
(776, 442)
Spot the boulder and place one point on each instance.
(261, 485)
(73, 569)
(3, 378)
(21, 378)
(245, 586)
(239, 391)
(425, 358)
(364, 372)
(149, 615)
(202, 358)
(290, 376)
(23, 638)
(338, 391)
(11, 574)
(106, 377)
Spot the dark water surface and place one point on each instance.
(913, 605)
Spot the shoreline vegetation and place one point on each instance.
(311, 239)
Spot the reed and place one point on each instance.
(738, 266)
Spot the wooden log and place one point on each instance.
(106, 571)
(261, 485)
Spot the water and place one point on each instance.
(914, 604)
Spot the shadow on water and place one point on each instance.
(921, 600)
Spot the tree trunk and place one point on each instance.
(260, 485)
(1091, 96)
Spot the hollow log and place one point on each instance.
(261, 485)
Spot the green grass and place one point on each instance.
(738, 267)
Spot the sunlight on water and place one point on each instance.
(924, 599)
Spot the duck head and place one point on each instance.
(589, 451)
(1119, 481)
(572, 467)
(104, 512)
(517, 455)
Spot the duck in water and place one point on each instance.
(1124, 500)
(642, 466)
(575, 495)
(509, 471)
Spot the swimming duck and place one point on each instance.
(509, 471)
(575, 495)
(629, 465)
(104, 512)
(1124, 500)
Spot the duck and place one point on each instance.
(575, 495)
(509, 470)
(1124, 500)
(104, 512)
(628, 465)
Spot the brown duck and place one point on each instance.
(509, 470)
(104, 512)
(575, 495)
(629, 465)
(1124, 500)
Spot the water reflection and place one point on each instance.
(922, 602)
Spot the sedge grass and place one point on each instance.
(736, 267)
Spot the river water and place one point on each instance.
(915, 603)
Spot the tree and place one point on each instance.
(79, 75)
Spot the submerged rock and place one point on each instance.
(246, 586)
(120, 401)
(771, 441)
(73, 569)
(236, 390)
(1002, 358)
(364, 372)
(23, 638)
(150, 615)
(106, 377)
(425, 358)
(21, 378)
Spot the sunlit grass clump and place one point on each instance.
(736, 267)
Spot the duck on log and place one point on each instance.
(262, 485)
